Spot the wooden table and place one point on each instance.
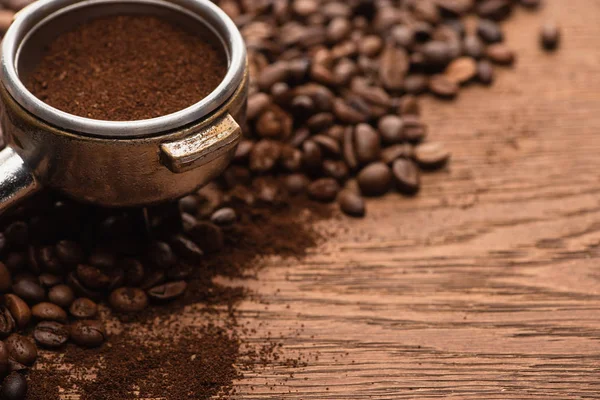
(487, 285)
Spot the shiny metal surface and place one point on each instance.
(16, 180)
(44, 13)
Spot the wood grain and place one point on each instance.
(487, 285)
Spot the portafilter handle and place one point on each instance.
(17, 182)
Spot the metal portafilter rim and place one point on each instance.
(43, 11)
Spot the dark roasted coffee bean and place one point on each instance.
(128, 300)
(208, 236)
(312, 156)
(16, 261)
(21, 349)
(367, 144)
(414, 130)
(189, 204)
(375, 179)
(324, 190)
(393, 66)
(436, 52)
(291, 158)
(19, 310)
(102, 259)
(49, 280)
(391, 129)
(161, 255)
(88, 333)
(134, 270)
(17, 234)
(406, 176)
(494, 9)
(92, 277)
(489, 31)
(348, 148)
(7, 322)
(296, 183)
(80, 289)
(184, 248)
(224, 216)
(167, 291)
(3, 243)
(550, 36)
(329, 145)
(349, 113)
(392, 153)
(351, 203)
(473, 47)
(153, 278)
(14, 387)
(408, 105)
(3, 359)
(461, 70)
(14, 366)
(485, 72)
(83, 308)
(61, 295)
(5, 278)
(48, 260)
(500, 54)
(442, 87)
(530, 3)
(117, 278)
(431, 155)
(264, 155)
(29, 291)
(335, 169)
(51, 334)
(416, 83)
(48, 312)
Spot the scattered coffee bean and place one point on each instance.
(14, 387)
(21, 349)
(184, 247)
(49, 280)
(61, 295)
(461, 70)
(374, 179)
(224, 216)
(500, 54)
(485, 72)
(48, 312)
(489, 31)
(51, 334)
(550, 36)
(19, 310)
(69, 252)
(88, 333)
(128, 300)
(443, 87)
(102, 259)
(324, 190)
(367, 145)
(29, 291)
(208, 236)
(167, 291)
(391, 129)
(83, 308)
(351, 203)
(7, 322)
(296, 183)
(406, 176)
(5, 278)
(431, 155)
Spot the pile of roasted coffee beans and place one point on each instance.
(333, 107)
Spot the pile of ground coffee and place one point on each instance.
(127, 68)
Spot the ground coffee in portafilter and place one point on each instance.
(123, 68)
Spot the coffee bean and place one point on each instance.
(48, 261)
(436, 52)
(161, 255)
(80, 289)
(128, 300)
(14, 387)
(349, 148)
(167, 291)
(335, 169)
(414, 130)
(88, 333)
(5, 278)
(370, 45)
(391, 129)
(83, 308)
(431, 155)
(7, 322)
(442, 87)
(350, 112)
(406, 176)
(329, 145)
(21, 349)
(51, 334)
(16, 261)
(485, 72)
(324, 190)
(351, 203)
(374, 179)
(208, 236)
(224, 216)
(408, 105)
(489, 31)
(29, 291)
(291, 158)
(392, 153)
(153, 278)
(134, 270)
(367, 144)
(394, 65)
(48, 312)
(92, 277)
(17, 234)
(61, 295)
(416, 83)
(461, 70)
(550, 36)
(69, 252)
(184, 248)
(473, 47)
(19, 310)
(264, 155)
(500, 54)
(3, 359)
(49, 280)
(494, 9)
(530, 3)
(296, 183)
(14, 366)
(189, 204)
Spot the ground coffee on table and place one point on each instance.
(127, 68)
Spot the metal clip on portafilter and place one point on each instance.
(115, 163)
